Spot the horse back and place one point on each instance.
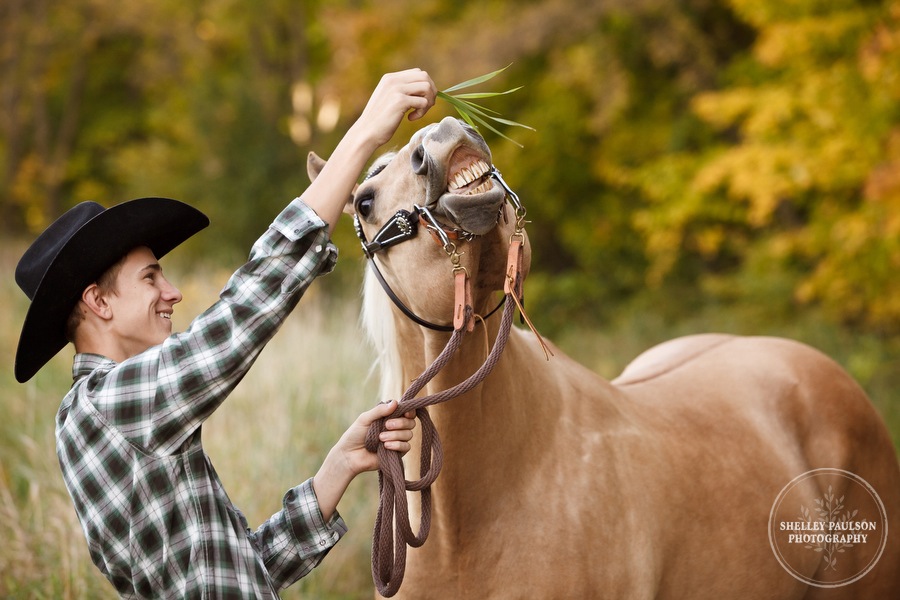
(781, 383)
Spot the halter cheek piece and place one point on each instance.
(404, 226)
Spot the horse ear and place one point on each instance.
(349, 209)
(314, 166)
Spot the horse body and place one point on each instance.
(559, 484)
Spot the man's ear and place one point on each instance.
(314, 166)
(96, 302)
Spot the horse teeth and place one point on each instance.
(467, 176)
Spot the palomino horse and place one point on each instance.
(659, 484)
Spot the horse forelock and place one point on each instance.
(378, 323)
(379, 164)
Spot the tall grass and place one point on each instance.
(308, 385)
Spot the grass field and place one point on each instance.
(308, 385)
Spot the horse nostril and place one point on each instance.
(420, 167)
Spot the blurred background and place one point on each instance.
(697, 165)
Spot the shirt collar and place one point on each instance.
(86, 363)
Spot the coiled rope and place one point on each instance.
(393, 531)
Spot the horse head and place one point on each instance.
(442, 179)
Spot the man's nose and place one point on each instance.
(171, 293)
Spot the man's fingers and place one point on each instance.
(400, 423)
(401, 435)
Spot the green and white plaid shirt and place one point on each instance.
(157, 520)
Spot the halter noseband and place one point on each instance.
(404, 226)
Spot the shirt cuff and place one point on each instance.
(298, 221)
(312, 533)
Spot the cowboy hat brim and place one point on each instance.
(161, 224)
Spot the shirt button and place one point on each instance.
(319, 248)
(296, 232)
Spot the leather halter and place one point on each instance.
(404, 226)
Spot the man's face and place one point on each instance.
(142, 303)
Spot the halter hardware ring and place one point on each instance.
(517, 236)
(454, 255)
(513, 198)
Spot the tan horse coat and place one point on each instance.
(659, 484)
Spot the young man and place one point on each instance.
(157, 521)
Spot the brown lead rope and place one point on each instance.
(389, 547)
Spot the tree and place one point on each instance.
(796, 184)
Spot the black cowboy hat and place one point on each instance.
(76, 250)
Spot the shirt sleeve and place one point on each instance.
(296, 539)
(160, 397)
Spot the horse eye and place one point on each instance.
(364, 205)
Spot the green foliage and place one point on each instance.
(804, 134)
(692, 144)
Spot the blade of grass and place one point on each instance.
(484, 109)
(459, 106)
(477, 95)
(497, 131)
(475, 114)
(469, 114)
(481, 111)
(475, 81)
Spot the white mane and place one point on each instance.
(377, 319)
(378, 323)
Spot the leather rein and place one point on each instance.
(393, 531)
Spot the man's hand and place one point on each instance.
(411, 91)
(396, 436)
(349, 457)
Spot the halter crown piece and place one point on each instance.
(393, 531)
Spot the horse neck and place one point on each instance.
(499, 418)
(524, 398)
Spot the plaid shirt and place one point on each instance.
(157, 520)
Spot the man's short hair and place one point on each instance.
(107, 284)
